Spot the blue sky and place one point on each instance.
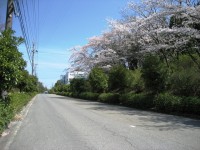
(64, 24)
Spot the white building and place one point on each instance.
(71, 75)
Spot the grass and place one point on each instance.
(8, 110)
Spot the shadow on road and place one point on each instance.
(152, 119)
(147, 119)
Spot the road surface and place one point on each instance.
(59, 123)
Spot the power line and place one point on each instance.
(29, 19)
(23, 29)
(28, 15)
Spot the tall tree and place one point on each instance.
(11, 61)
(147, 29)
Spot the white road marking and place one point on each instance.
(132, 126)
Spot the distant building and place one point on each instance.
(71, 75)
(63, 79)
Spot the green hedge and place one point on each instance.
(166, 102)
(89, 96)
(111, 98)
(140, 100)
(7, 111)
(19, 100)
(64, 93)
(191, 105)
(83, 95)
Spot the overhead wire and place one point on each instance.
(28, 14)
(23, 29)
(26, 24)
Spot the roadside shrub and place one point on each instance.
(68, 94)
(6, 114)
(8, 110)
(185, 79)
(138, 82)
(153, 73)
(98, 80)
(75, 95)
(166, 102)
(140, 100)
(191, 105)
(111, 98)
(78, 85)
(19, 100)
(185, 83)
(120, 79)
(89, 96)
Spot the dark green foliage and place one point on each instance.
(11, 61)
(185, 79)
(31, 84)
(75, 95)
(98, 80)
(64, 93)
(138, 82)
(60, 87)
(41, 87)
(78, 85)
(120, 79)
(152, 87)
(190, 105)
(153, 74)
(6, 114)
(166, 102)
(89, 96)
(63, 88)
(140, 100)
(83, 95)
(111, 98)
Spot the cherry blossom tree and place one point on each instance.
(166, 27)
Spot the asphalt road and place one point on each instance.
(60, 123)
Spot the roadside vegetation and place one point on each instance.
(8, 110)
(17, 86)
(156, 88)
(149, 59)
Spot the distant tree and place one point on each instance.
(41, 87)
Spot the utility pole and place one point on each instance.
(33, 65)
(36, 69)
(9, 14)
(33, 55)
